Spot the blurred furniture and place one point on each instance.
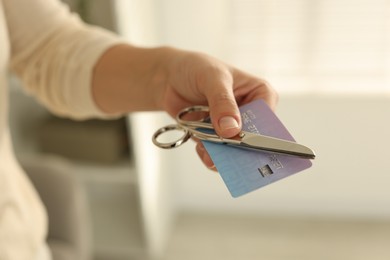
(69, 236)
(94, 141)
(110, 182)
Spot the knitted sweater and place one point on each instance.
(54, 54)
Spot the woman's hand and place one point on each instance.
(198, 79)
(128, 78)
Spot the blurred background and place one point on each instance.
(330, 62)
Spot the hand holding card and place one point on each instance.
(246, 170)
(262, 153)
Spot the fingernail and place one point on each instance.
(228, 122)
(212, 167)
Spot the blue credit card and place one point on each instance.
(243, 170)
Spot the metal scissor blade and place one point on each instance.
(267, 143)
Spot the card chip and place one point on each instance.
(265, 170)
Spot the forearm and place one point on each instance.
(128, 78)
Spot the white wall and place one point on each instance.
(200, 25)
(350, 177)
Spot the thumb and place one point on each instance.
(224, 112)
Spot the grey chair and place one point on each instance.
(69, 235)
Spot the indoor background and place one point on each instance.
(329, 61)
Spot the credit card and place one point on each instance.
(244, 170)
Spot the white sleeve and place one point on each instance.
(54, 54)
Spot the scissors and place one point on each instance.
(244, 139)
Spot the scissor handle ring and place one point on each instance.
(195, 124)
(173, 144)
